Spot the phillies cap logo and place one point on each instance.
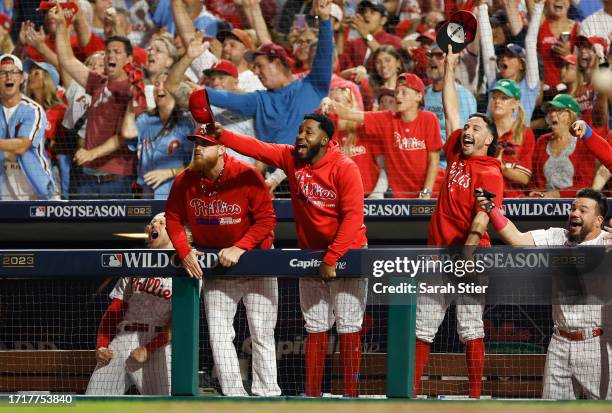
(112, 260)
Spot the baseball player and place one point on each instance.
(327, 199)
(226, 205)
(577, 361)
(134, 334)
(457, 221)
(26, 172)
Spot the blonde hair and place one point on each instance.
(49, 95)
(518, 126)
(6, 44)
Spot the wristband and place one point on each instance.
(587, 133)
(498, 220)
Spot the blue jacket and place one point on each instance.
(29, 121)
(278, 113)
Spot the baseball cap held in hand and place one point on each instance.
(458, 32)
(200, 109)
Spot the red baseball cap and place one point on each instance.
(412, 81)
(200, 138)
(268, 49)
(458, 31)
(570, 58)
(200, 108)
(5, 21)
(223, 66)
(591, 40)
(429, 34)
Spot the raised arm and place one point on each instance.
(320, 74)
(184, 26)
(597, 145)
(343, 112)
(450, 100)
(514, 16)
(243, 103)
(268, 153)
(252, 9)
(486, 44)
(36, 40)
(532, 72)
(82, 28)
(75, 68)
(504, 227)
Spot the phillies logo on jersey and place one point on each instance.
(313, 190)
(355, 150)
(173, 146)
(214, 208)
(458, 176)
(151, 286)
(408, 144)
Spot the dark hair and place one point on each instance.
(492, 149)
(325, 123)
(597, 196)
(375, 79)
(127, 45)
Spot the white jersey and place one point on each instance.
(149, 299)
(570, 316)
(249, 82)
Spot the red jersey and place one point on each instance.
(406, 146)
(82, 53)
(327, 197)
(585, 96)
(551, 60)
(109, 100)
(577, 174)
(457, 206)
(233, 210)
(521, 155)
(355, 50)
(55, 115)
(363, 153)
(601, 149)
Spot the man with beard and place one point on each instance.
(226, 205)
(433, 93)
(457, 221)
(577, 354)
(327, 199)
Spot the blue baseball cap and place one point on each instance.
(47, 67)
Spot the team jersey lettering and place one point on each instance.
(408, 144)
(151, 286)
(214, 208)
(458, 176)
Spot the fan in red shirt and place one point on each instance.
(597, 145)
(459, 221)
(327, 199)
(226, 204)
(561, 163)
(409, 138)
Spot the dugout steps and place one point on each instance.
(506, 375)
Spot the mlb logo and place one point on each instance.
(38, 211)
(112, 260)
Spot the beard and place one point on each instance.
(203, 164)
(578, 238)
(311, 153)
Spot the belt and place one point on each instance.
(142, 327)
(102, 179)
(579, 335)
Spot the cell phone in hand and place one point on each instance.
(485, 193)
(565, 36)
(350, 8)
(300, 21)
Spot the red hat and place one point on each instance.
(412, 81)
(201, 138)
(200, 108)
(5, 21)
(268, 49)
(458, 31)
(429, 34)
(224, 66)
(570, 58)
(592, 41)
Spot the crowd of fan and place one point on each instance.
(114, 79)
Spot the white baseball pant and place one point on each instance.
(431, 310)
(578, 369)
(260, 298)
(150, 378)
(342, 300)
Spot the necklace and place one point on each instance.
(215, 186)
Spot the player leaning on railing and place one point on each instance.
(577, 362)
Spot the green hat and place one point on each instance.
(509, 88)
(562, 101)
